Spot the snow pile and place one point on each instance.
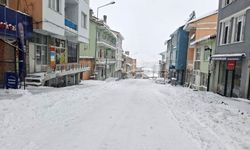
(215, 122)
(124, 115)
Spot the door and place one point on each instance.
(229, 83)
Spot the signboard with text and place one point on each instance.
(11, 22)
(11, 80)
(231, 65)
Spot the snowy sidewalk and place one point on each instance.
(124, 115)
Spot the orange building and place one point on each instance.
(199, 29)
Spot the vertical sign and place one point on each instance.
(52, 57)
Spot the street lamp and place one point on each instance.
(97, 13)
(209, 69)
(111, 3)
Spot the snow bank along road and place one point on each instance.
(124, 115)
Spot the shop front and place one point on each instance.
(15, 29)
(229, 74)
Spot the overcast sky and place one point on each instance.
(146, 24)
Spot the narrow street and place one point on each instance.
(124, 115)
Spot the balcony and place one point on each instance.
(70, 24)
(105, 43)
(103, 61)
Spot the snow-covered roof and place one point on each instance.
(228, 56)
(203, 39)
(204, 16)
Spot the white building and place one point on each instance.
(61, 31)
(119, 51)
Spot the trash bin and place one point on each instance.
(173, 81)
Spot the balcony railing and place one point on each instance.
(106, 41)
(70, 24)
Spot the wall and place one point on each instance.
(33, 8)
(53, 21)
(84, 33)
(90, 63)
(6, 54)
(90, 52)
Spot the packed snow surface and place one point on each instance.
(122, 115)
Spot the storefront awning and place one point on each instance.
(237, 56)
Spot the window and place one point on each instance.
(238, 28)
(203, 78)
(197, 59)
(206, 55)
(84, 20)
(55, 5)
(72, 52)
(198, 54)
(3, 2)
(226, 2)
(41, 55)
(224, 34)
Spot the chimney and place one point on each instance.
(105, 19)
(127, 53)
(91, 12)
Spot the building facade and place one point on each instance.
(178, 52)
(232, 57)
(119, 51)
(163, 65)
(61, 31)
(202, 33)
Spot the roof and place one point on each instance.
(202, 17)
(163, 53)
(203, 39)
(119, 33)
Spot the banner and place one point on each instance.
(9, 21)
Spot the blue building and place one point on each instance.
(177, 48)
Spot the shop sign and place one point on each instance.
(11, 80)
(52, 57)
(10, 21)
(231, 65)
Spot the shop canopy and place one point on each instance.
(237, 56)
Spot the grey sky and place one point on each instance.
(146, 24)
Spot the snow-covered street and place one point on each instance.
(123, 115)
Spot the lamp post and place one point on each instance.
(97, 15)
(209, 69)
(111, 3)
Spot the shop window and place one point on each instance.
(237, 79)
(222, 75)
(41, 55)
(72, 52)
(60, 55)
